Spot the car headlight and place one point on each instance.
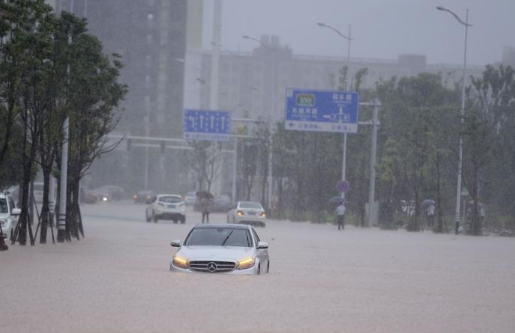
(104, 198)
(263, 214)
(239, 213)
(246, 263)
(180, 262)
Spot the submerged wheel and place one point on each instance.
(268, 267)
(183, 219)
(147, 218)
(259, 270)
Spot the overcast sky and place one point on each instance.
(381, 28)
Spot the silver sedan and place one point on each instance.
(247, 212)
(222, 248)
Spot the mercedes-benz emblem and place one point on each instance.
(211, 267)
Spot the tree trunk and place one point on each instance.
(45, 211)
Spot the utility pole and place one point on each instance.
(215, 71)
(372, 188)
(61, 229)
(348, 86)
(466, 24)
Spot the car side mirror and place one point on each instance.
(16, 211)
(176, 243)
(262, 246)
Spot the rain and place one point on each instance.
(364, 150)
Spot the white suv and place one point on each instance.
(8, 214)
(166, 207)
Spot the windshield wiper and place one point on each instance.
(226, 238)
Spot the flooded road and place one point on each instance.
(117, 279)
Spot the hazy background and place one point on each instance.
(382, 28)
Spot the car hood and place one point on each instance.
(229, 253)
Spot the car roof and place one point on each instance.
(224, 226)
(249, 202)
(169, 195)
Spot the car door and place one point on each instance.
(261, 254)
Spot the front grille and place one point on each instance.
(212, 266)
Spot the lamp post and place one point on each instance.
(61, 226)
(465, 23)
(270, 128)
(348, 87)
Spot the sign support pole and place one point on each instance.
(372, 187)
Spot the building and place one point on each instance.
(150, 36)
(508, 56)
(254, 84)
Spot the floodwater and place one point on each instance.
(321, 280)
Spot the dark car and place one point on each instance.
(221, 203)
(145, 196)
(110, 193)
(88, 197)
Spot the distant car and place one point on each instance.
(145, 196)
(8, 214)
(191, 198)
(221, 203)
(110, 193)
(221, 248)
(247, 212)
(88, 197)
(166, 207)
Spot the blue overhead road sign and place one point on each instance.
(322, 111)
(207, 125)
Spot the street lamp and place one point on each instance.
(457, 217)
(270, 126)
(348, 87)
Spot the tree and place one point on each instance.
(46, 79)
(26, 53)
(93, 96)
(488, 140)
(205, 159)
(416, 118)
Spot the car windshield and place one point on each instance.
(253, 205)
(3, 206)
(170, 199)
(219, 237)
